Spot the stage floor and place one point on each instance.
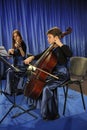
(75, 116)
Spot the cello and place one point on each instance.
(44, 67)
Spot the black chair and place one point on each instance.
(1, 75)
(77, 69)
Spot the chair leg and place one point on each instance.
(64, 90)
(82, 96)
(64, 108)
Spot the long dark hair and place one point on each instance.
(13, 41)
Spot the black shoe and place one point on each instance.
(51, 118)
(45, 118)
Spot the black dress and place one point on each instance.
(49, 101)
(14, 80)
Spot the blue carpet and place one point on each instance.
(75, 116)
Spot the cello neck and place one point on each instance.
(46, 53)
(68, 31)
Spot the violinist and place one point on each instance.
(49, 101)
(18, 53)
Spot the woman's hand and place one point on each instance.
(17, 45)
(58, 42)
(28, 60)
(11, 51)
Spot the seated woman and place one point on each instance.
(49, 105)
(14, 82)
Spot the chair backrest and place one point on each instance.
(78, 66)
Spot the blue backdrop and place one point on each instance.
(34, 17)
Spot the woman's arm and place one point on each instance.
(22, 49)
(30, 58)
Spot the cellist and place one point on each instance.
(49, 101)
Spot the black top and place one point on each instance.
(62, 53)
(17, 52)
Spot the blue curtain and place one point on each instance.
(34, 17)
